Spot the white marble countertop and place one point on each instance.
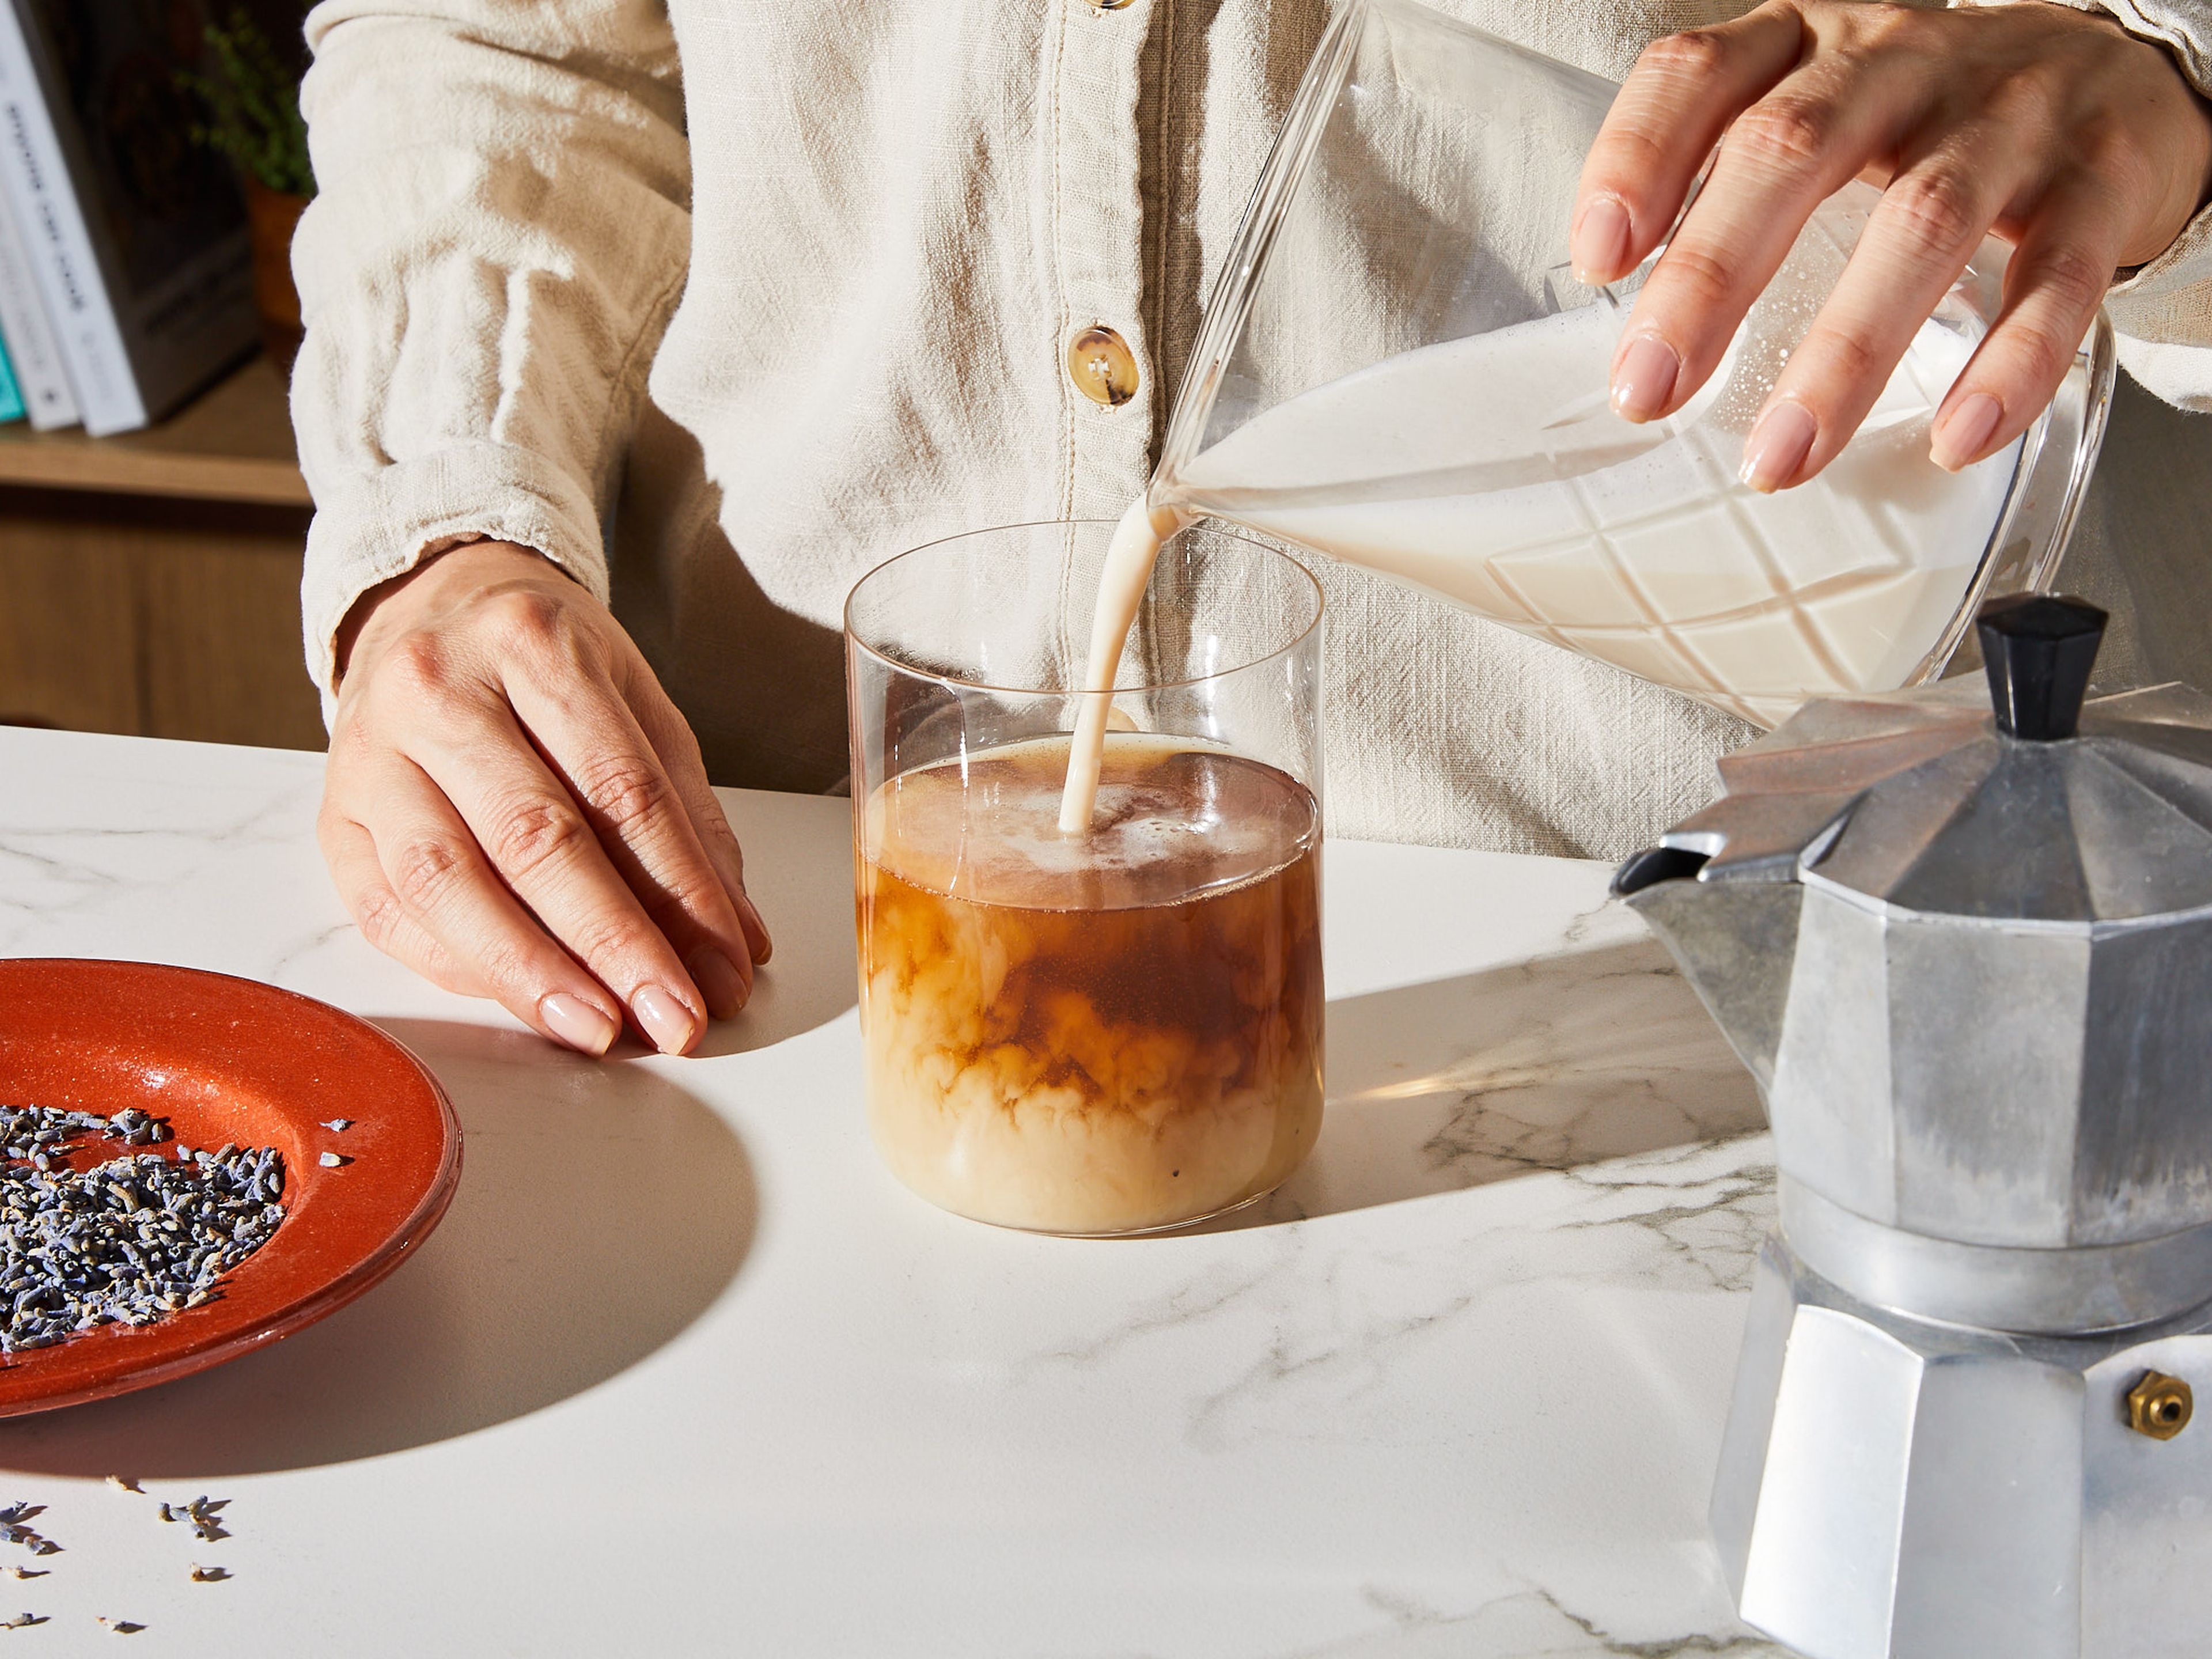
(685, 1372)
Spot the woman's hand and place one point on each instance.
(514, 808)
(2077, 142)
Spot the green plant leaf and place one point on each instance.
(252, 104)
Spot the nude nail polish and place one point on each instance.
(665, 1019)
(1601, 241)
(1962, 436)
(719, 981)
(1645, 378)
(753, 915)
(578, 1023)
(1776, 451)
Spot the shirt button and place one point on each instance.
(1102, 366)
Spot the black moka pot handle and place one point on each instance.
(2038, 651)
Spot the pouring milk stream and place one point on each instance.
(1491, 471)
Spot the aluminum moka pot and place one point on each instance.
(1966, 952)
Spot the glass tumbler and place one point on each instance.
(1399, 369)
(1116, 1030)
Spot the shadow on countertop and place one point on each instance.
(1543, 1066)
(799, 871)
(601, 1211)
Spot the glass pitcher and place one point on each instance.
(1398, 368)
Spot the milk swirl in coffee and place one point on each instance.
(1102, 1033)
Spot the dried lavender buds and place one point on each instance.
(201, 1512)
(204, 1513)
(128, 1241)
(16, 1529)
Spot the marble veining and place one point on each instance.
(1530, 1623)
(1456, 1390)
(1326, 1317)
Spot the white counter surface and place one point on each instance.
(685, 1372)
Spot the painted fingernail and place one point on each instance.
(1960, 436)
(1778, 446)
(1645, 378)
(577, 1023)
(1601, 241)
(767, 939)
(670, 1025)
(719, 982)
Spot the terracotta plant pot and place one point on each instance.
(272, 216)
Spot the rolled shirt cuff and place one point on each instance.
(2170, 299)
(373, 526)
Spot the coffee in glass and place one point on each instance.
(1118, 1029)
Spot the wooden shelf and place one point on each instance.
(150, 582)
(233, 443)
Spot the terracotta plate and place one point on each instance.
(228, 1059)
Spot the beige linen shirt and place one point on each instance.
(718, 303)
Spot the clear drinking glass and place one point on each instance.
(1112, 1031)
(1399, 369)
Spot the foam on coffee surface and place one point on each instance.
(1170, 819)
(1097, 1033)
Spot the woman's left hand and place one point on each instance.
(2076, 142)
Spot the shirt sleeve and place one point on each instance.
(501, 228)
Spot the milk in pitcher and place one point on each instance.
(1493, 470)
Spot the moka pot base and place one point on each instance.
(1890, 1488)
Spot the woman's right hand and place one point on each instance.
(514, 808)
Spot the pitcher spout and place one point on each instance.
(1733, 939)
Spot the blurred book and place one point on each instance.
(11, 400)
(33, 354)
(134, 235)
